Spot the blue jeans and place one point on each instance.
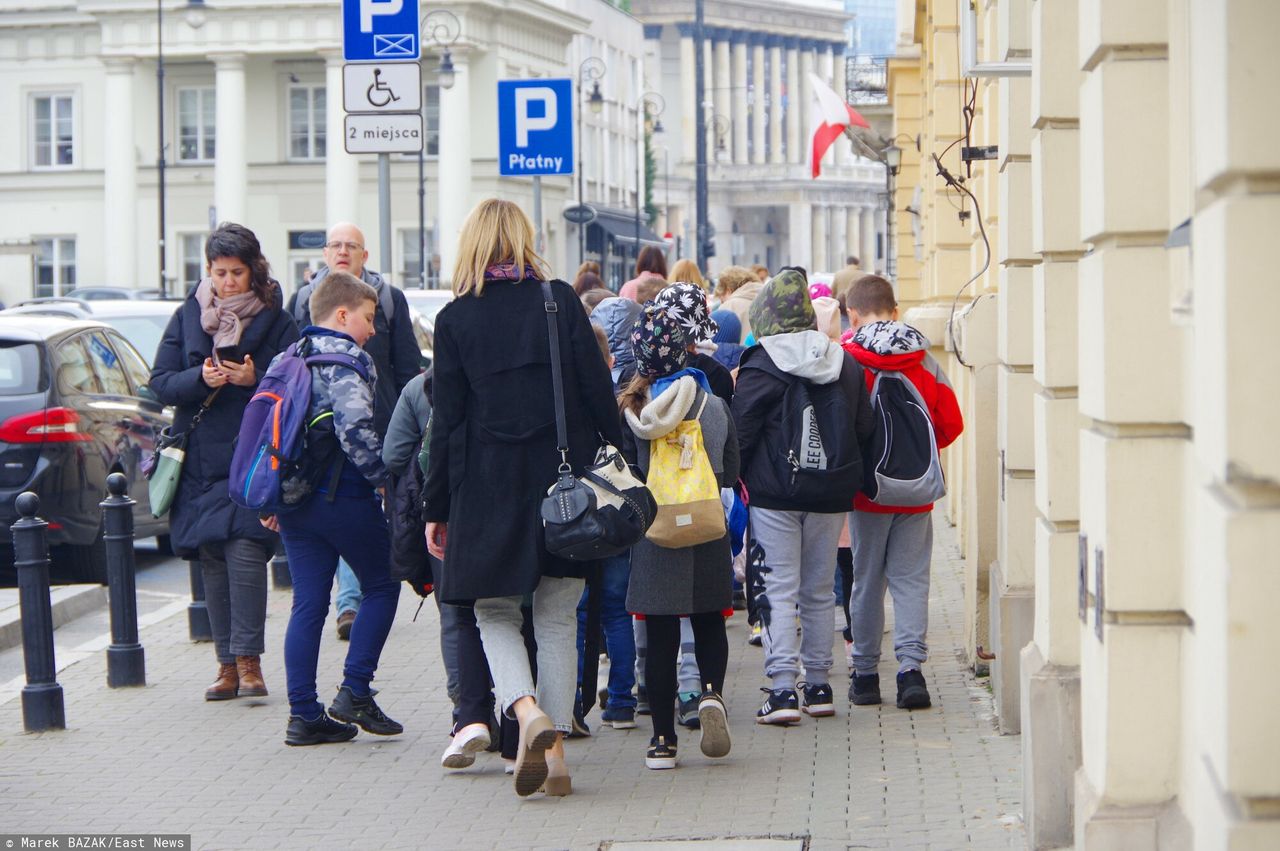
(315, 535)
(619, 640)
(348, 588)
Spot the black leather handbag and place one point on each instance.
(607, 509)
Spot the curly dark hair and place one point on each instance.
(234, 240)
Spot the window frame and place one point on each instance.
(182, 238)
(33, 142)
(201, 90)
(311, 88)
(59, 286)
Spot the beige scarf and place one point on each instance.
(661, 416)
(224, 318)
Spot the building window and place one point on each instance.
(196, 122)
(192, 260)
(306, 122)
(55, 265)
(53, 138)
(431, 116)
(411, 254)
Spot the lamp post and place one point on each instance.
(195, 14)
(591, 70)
(652, 105)
(439, 27)
(700, 149)
(720, 126)
(892, 162)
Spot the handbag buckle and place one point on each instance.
(550, 307)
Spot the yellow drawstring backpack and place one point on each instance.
(685, 488)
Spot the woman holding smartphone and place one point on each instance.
(215, 349)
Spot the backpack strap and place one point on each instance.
(338, 359)
(387, 303)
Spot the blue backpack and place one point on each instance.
(274, 467)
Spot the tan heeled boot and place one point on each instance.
(249, 669)
(226, 686)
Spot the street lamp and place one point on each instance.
(892, 157)
(591, 70)
(720, 126)
(195, 16)
(439, 27)
(651, 104)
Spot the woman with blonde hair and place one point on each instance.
(686, 272)
(493, 456)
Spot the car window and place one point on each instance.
(144, 332)
(72, 369)
(20, 368)
(133, 363)
(106, 363)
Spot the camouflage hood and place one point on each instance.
(783, 306)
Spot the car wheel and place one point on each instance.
(88, 562)
(164, 544)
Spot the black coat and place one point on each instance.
(493, 433)
(202, 513)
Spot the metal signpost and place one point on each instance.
(535, 134)
(382, 95)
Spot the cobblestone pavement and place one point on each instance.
(160, 759)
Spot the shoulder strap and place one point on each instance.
(301, 304)
(557, 378)
(338, 359)
(204, 406)
(387, 302)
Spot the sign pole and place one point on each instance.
(537, 213)
(384, 213)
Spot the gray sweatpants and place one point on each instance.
(798, 567)
(890, 551)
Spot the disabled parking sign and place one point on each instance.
(379, 30)
(535, 127)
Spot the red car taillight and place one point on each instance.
(52, 425)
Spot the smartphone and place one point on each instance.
(226, 353)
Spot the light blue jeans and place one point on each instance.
(348, 588)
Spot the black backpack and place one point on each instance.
(903, 469)
(406, 524)
(821, 459)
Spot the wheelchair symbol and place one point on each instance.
(385, 95)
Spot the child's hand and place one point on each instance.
(271, 522)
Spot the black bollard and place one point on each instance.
(198, 613)
(126, 660)
(42, 707)
(281, 578)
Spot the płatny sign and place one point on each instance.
(535, 127)
(383, 134)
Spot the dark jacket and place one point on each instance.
(757, 412)
(493, 433)
(202, 512)
(393, 347)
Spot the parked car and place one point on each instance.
(74, 408)
(424, 331)
(141, 322)
(112, 293)
(428, 302)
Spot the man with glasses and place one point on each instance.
(394, 350)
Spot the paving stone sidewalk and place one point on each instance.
(160, 759)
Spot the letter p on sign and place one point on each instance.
(526, 122)
(370, 8)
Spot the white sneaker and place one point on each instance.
(467, 742)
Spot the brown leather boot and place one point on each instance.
(226, 686)
(250, 670)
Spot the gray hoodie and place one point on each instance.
(810, 355)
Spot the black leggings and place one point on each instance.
(844, 561)
(712, 648)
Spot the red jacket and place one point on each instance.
(922, 370)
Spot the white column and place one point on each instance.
(119, 177)
(454, 165)
(838, 247)
(870, 225)
(799, 234)
(759, 145)
(739, 96)
(853, 233)
(724, 80)
(804, 95)
(341, 170)
(652, 76)
(827, 71)
(688, 96)
(821, 221)
(775, 99)
(230, 168)
(795, 152)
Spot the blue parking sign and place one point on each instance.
(379, 30)
(535, 127)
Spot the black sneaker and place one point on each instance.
(781, 707)
(864, 689)
(578, 728)
(912, 692)
(714, 722)
(364, 712)
(818, 700)
(660, 754)
(322, 731)
(619, 717)
(642, 700)
(687, 715)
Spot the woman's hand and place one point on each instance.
(241, 374)
(271, 522)
(211, 375)
(437, 537)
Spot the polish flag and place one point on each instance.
(830, 116)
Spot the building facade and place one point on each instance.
(763, 203)
(1117, 490)
(253, 122)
